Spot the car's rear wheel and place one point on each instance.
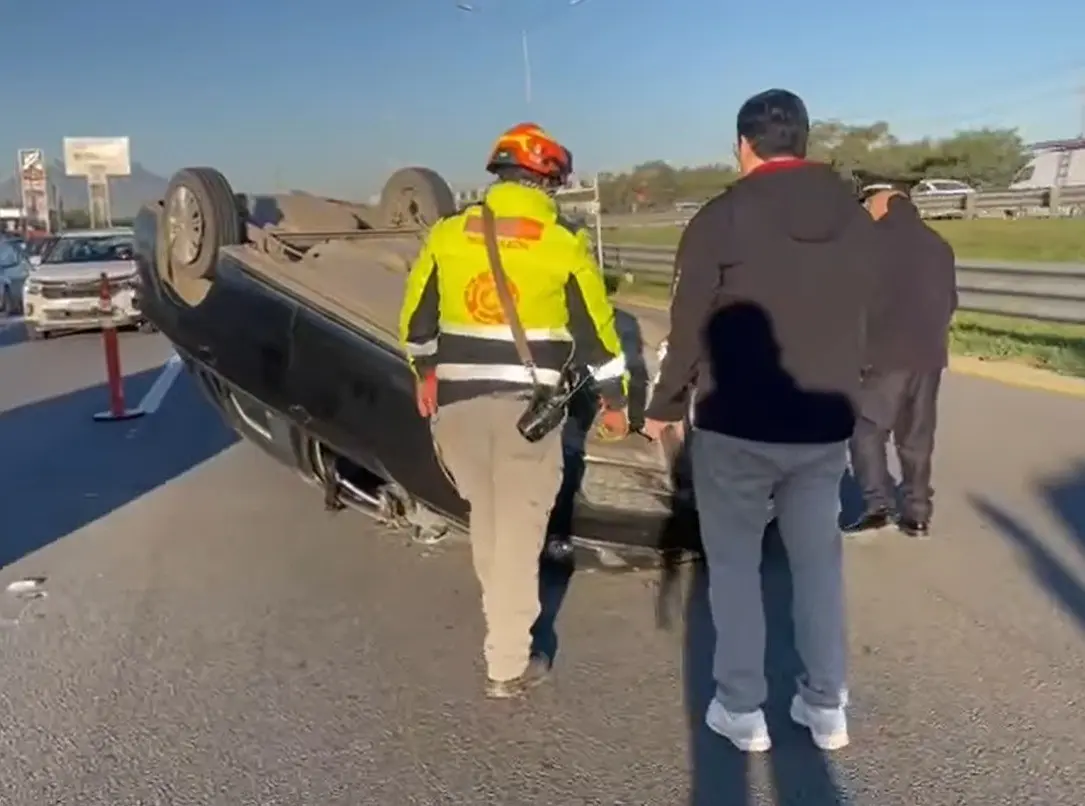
(200, 215)
(415, 197)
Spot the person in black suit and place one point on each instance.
(907, 337)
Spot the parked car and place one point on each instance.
(941, 187)
(63, 292)
(285, 307)
(14, 268)
(941, 198)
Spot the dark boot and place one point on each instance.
(870, 522)
(537, 671)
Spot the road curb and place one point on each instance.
(1019, 375)
(1006, 372)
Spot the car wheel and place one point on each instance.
(7, 303)
(200, 215)
(415, 197)
(147, 327)
(33, 334)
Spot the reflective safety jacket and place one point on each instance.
(452, 321)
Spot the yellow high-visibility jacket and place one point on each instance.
(452, 322)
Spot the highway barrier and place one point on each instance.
(1055, 202)
(1046, 291)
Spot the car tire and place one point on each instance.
(147, 327)
(5, 302)
(33, 334)
(200, 215)
(415, 197)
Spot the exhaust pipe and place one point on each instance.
(340, 492)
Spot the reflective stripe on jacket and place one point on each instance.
(452, 321)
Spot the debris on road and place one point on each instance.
(28, 588)
(25, 591)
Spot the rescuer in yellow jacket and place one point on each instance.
(473, 386)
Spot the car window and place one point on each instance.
(9, 256)
(89, 249)
(35, 246)
(944, 185)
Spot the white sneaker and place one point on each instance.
(828, 726)
(747, 732)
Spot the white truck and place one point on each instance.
(1054, 163)
(63, 292)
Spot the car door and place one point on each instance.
(243, 332)
(355, 393)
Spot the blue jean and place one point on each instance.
(734, 480)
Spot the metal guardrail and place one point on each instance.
(1044, 291)
(1068, 200)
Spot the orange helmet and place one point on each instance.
(529, 147)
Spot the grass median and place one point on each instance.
(1032, 240)
(1053, 347)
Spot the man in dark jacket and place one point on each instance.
(907, 350)
(766, 331)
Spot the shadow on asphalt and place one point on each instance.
(61, 469)
(1065, 496)
(12, 331)
(801, 774)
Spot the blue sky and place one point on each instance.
(330, 95)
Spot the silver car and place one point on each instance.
(63, 292)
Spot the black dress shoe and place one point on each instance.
(915, 528)
(870, 522)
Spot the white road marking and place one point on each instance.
(157, 393)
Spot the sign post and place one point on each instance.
(97, 159)
(34, 187)
(98, 195)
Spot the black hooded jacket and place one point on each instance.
(767, 321)
(911, 311)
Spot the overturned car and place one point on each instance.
(284, 307)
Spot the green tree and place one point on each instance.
(986, 158)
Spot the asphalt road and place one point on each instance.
(211, 636)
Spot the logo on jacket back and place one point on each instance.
(481, 300)
(511, 233)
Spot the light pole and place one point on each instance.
(470, 8)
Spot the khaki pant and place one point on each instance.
(511, 485)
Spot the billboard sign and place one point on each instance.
(97, 156)
(34, 185)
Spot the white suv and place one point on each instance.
(64, 291)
